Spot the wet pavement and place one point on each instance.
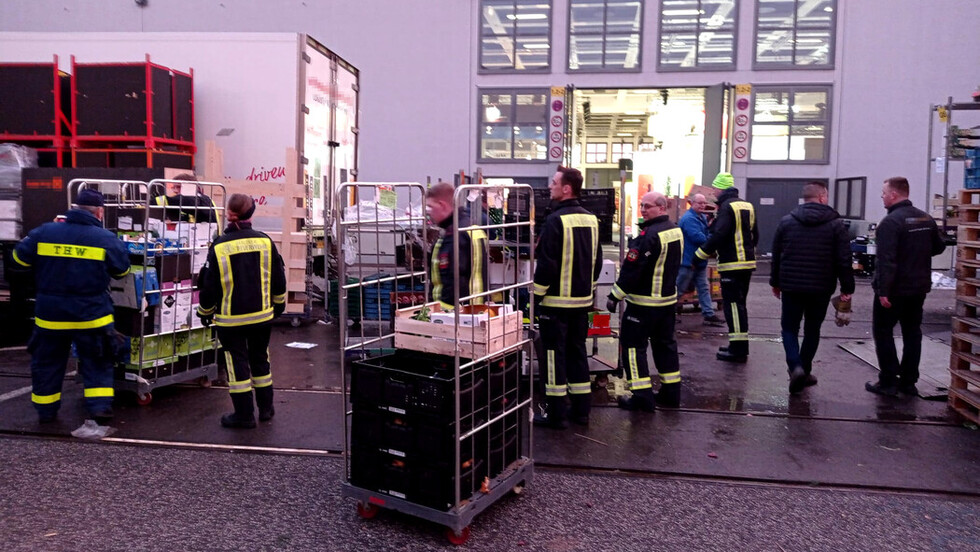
(737, 423)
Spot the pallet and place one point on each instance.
(964, 394)
(280, 212)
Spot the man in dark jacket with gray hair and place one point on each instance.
(811, 252)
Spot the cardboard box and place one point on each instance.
(130, 290)
(171, 268)
(599, 323)
(134, 322)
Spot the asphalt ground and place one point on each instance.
(741, 465)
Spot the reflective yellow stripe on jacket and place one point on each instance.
(223, 253)
(71, 251)
(738, 208)
(76, 325)
(564, 299)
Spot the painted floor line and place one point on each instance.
(24, 390)
(213, 446)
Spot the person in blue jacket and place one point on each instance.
(694, 225)
(72, 263)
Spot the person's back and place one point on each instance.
(812, 250)
(73, 262)
(907, 238)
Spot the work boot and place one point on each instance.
(810, 380)
(244, 414)
(636, 403)
(234, 422)
(881, 389)
(263, 398)
(714, 321)
(102, 417)
(669, 396)
(727, 356)
(908, 389)
(555, 417)
(581, 404)
(797, 380)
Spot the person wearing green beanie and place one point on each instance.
(723, 181)
(733, 236)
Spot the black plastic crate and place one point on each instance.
(409, 382)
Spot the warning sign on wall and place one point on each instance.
(556, 134)
(743, 114)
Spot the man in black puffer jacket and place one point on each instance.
(811, 252)
(907, 239)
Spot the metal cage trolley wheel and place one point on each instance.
(437, 414)
(160, 340)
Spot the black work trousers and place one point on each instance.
(905, 311)
(734, 293)
(656, 325)
(811, 309)
(564, 361)
(245, 355)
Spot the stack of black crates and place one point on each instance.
(403, 427)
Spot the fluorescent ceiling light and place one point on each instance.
(631, 121)
(526, 16)
(624, 134)
(681, 12)
(828, 9)
(535, 46)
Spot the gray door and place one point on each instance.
(772, 198)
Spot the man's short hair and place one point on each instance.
(572, 177)
(442, 191)
(814, 190)
(186, 177)
(899, 184)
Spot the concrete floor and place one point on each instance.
(741, 465)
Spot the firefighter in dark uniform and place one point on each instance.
(439, 204)
(648, 282)
(243, 287)
(569, 260)
(734, 235)
(73, 262)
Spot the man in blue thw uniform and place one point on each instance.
(73, 262)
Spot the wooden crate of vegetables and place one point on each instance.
(483, 329)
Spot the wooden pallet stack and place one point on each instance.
(280, 212)
(964, 362)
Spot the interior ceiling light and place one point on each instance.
(492, 113)
(631, 121)
(535, 46)
(526, 16)
(624, 134)
(682, 12)
(828, 9)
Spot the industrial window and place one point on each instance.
(791, 124)
(622, 150)
(794, 34)
(515, 36)
(604, 35)
(512, 125)
(849, 194)
(697, 34)
(595, 152)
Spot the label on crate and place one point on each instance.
(396, 410)
(397, 494)
(396, 453)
